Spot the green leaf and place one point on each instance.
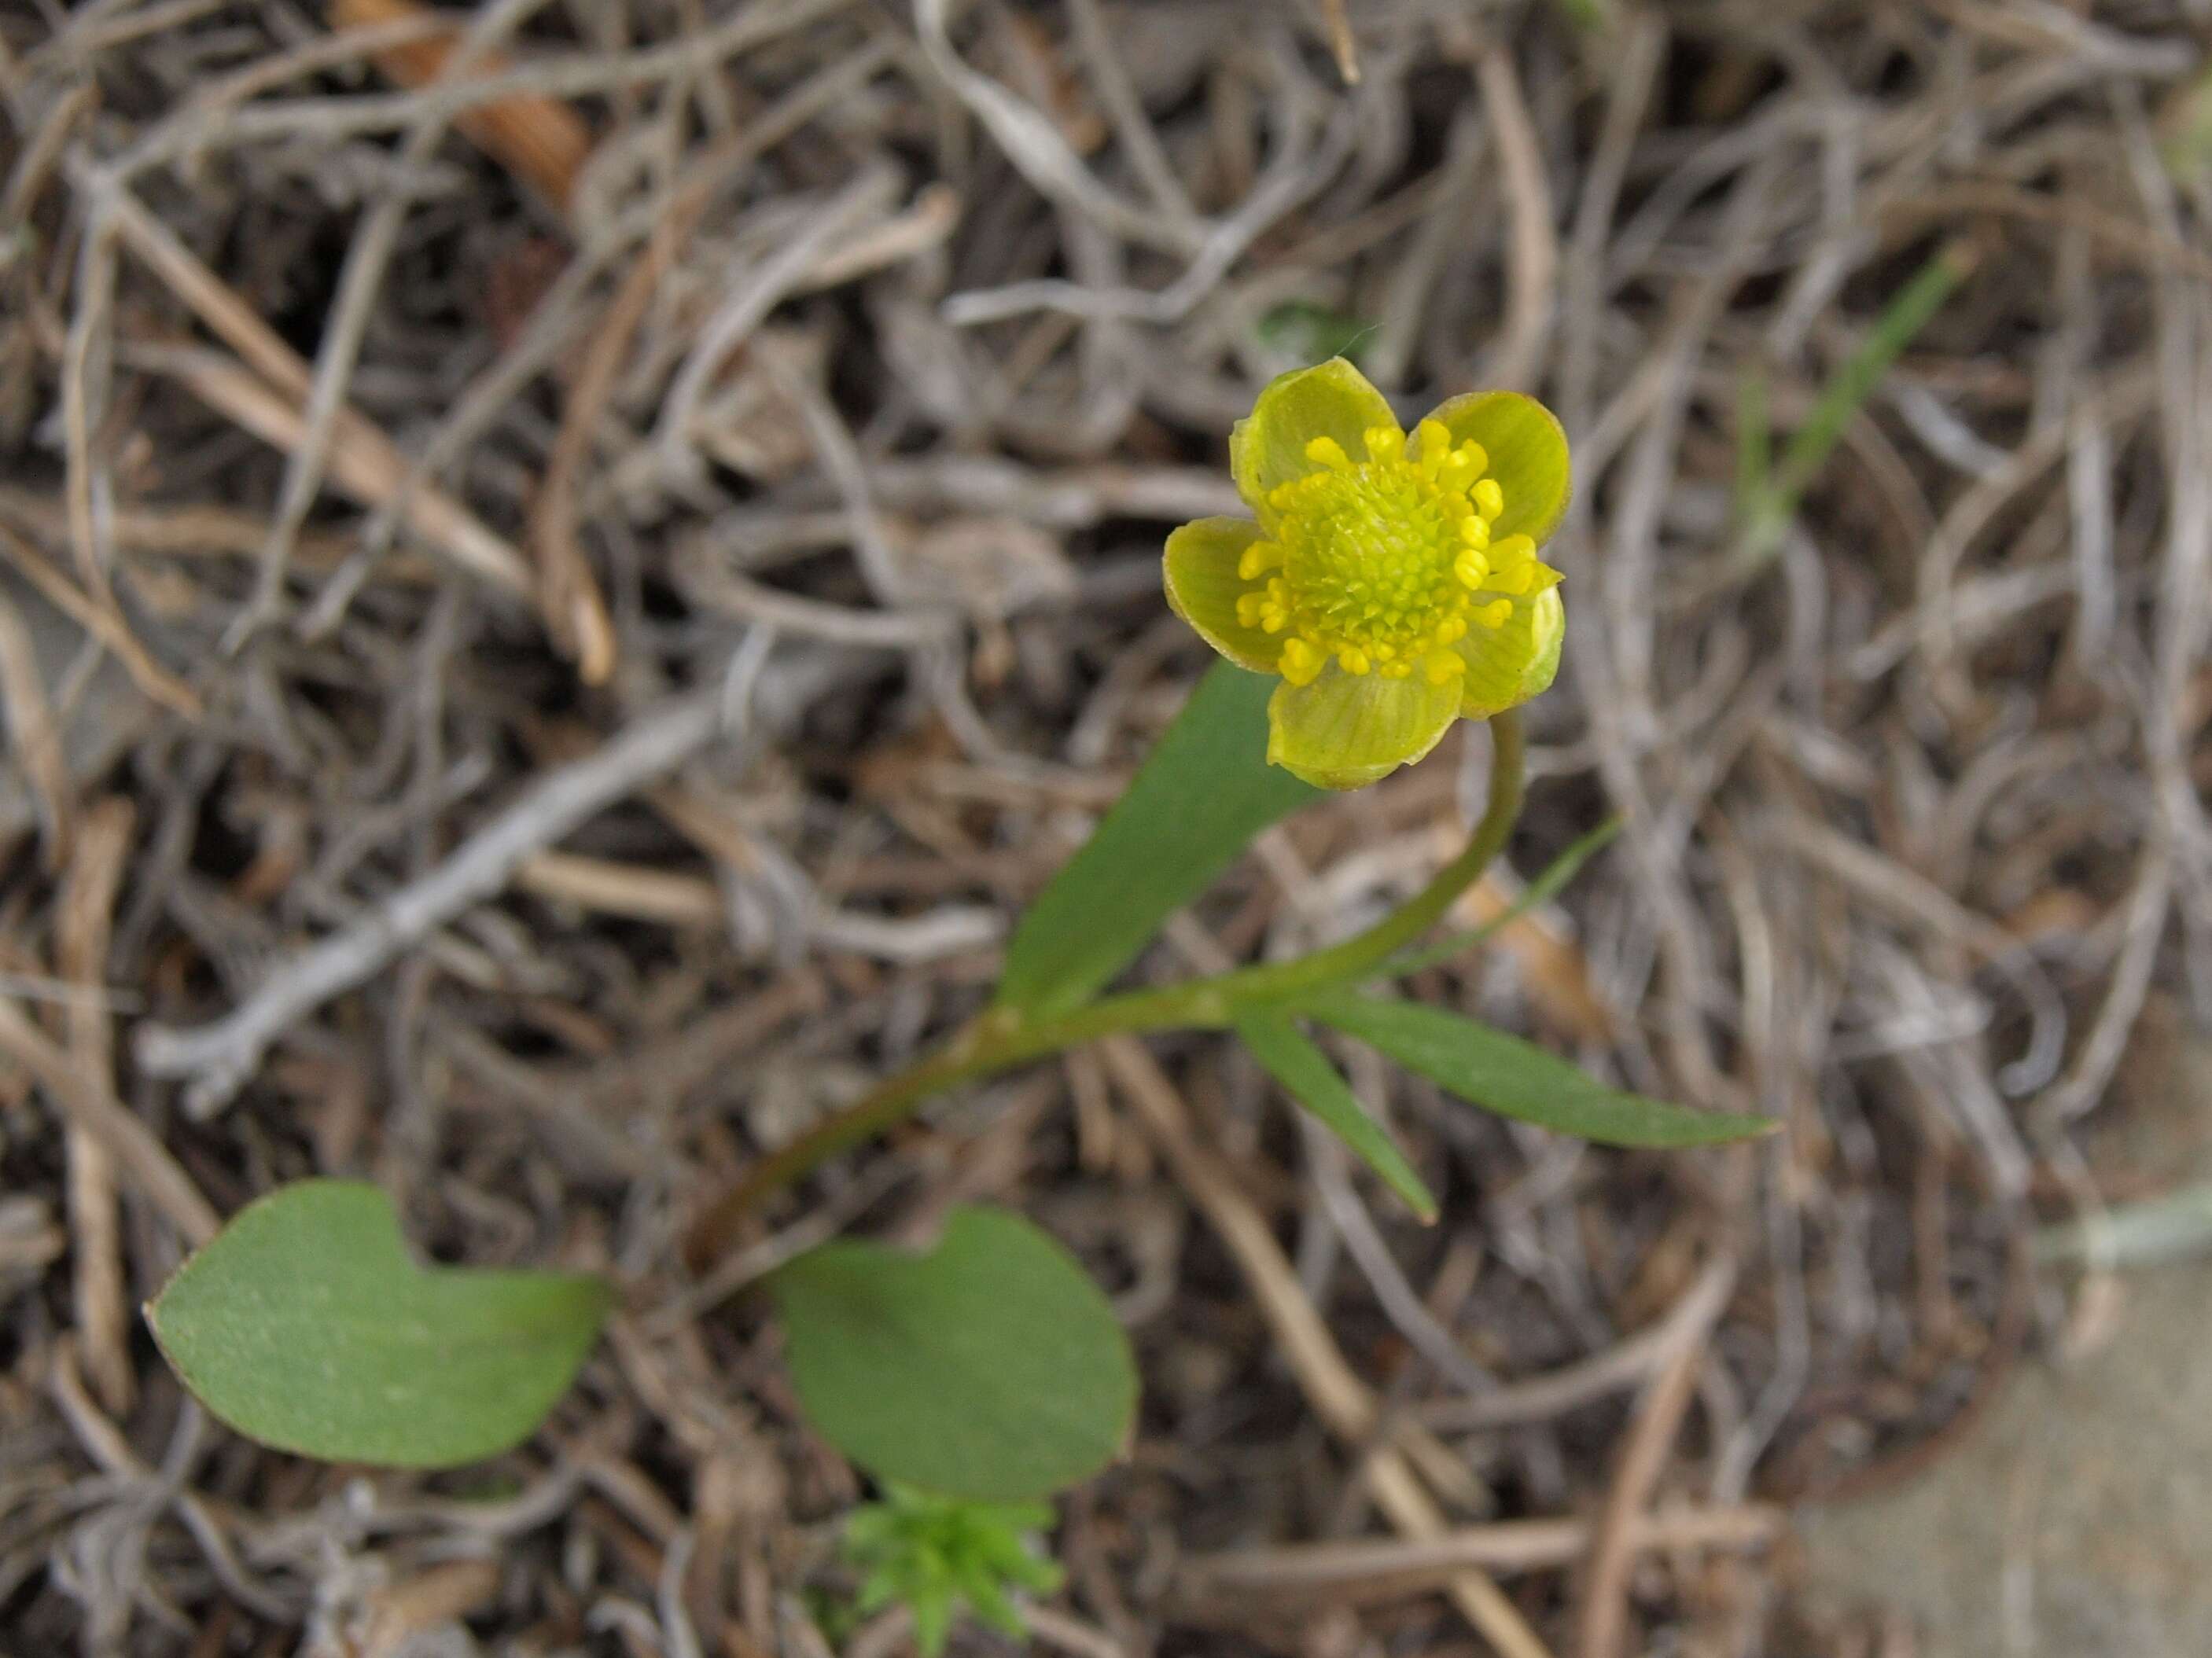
(1305, 1072)
(990, 1367)
(1514, 1078)
(306, 1325)
(1197, 802)
(1312, 332)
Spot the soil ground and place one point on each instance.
(2077, 1518)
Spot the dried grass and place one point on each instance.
(827, 410)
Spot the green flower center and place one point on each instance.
(1384, 564)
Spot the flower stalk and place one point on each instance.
(1002, 1040)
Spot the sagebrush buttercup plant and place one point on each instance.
(1391, 580)
(1391, 585)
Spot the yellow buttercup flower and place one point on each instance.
(1391, 580)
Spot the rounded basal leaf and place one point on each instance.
(1331, 400)
(989, 1368)
(1342, 731)
(1528, 452)
(1203, 587)
(306, 1325)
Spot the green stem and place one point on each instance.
(1002, 1039)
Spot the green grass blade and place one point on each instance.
(1754, 441)
(1767, 514)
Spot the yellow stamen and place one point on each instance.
(1433, 442)
(1386, 444)
(1258, 558)
(1301, 663)
(1383, 565)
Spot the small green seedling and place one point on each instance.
(938, 1555)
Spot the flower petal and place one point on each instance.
(1203, 587)
(1330, 400)
(1347, 730)
(1527, 455)
(1508, 664)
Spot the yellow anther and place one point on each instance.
(1386, 444)
(1472, 568)
(1442, 667)
(1328, 452)
(1433, 442)
(1250, 607)
(1353, 659)
(1301, 663)
(1451, 630)
(1478, 457)
(1455, 472)
(1395, 669)
(1474, 532)
(1494, 614)
(1258, 558)
(1489, 498)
